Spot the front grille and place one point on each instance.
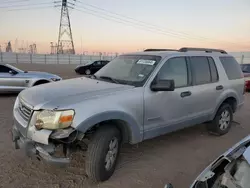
(24, 111)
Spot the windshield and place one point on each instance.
(129, 69)
(14, 68)
(245, 68)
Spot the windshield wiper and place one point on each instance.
(109, 78)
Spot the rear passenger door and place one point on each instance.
(206, 86)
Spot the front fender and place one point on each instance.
(133, 127)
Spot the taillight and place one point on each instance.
(245, 88)
(247, 85)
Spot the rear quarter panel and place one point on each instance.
(232, 88)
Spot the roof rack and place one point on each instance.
(208, 50)
(153, 50)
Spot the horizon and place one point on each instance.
(157, 24)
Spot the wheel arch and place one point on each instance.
(40, 81)
(229, 99)
(125, 123)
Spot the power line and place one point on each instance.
(136, 25)
(29, 8)
(23, 5)
(94, 13)
(20, 1)
(170, 31)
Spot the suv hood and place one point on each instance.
(73, 90)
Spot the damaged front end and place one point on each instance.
(231, 170)
(53, 145)
(57, 150)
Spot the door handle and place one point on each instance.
(185, 94)
(220, 87)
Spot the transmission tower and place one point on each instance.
(65, 39)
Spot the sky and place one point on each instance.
(129, 25)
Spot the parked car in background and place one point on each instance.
(230, 170)
(13, 79)
(135, 97)
(91, 67)
(246, 71)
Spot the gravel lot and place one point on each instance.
(178, 157)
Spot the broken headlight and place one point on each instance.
(52, 120)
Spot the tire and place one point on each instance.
(87, 72)
(97, 167)
(222, 121)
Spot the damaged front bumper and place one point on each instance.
(38, 150)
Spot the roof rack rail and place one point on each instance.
(208, 50)
(153, 50)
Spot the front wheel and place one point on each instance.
(102, 153)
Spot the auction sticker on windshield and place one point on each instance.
(145, 62)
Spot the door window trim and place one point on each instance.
(192, 71)
(188, 66)
(217, 74)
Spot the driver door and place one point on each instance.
(166, 111)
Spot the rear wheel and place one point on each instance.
(222, 121)
(102, 153)
(87, 72)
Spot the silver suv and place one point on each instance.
(135, 97)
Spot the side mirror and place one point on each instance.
(12, 72)
(163, 85)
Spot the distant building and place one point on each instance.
(8, 47)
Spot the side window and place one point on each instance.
(213, 69)
(231, 67)
(4, 69)
(175, 69)
(200, 70)
(103, 62)
(98, 63)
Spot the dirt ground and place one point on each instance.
(177, 158)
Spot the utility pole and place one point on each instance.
(81, 46)
(51, 48)
(65, 40)
(242, 59)
(16, 45)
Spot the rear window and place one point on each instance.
(231, 67)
